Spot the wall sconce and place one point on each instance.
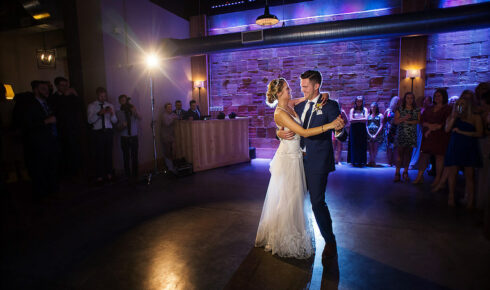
(46, 58)
(9, 92)
(412, 74)
(199, 85)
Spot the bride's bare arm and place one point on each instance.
(293, 102)
(283, 119)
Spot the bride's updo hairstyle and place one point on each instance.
(274, 87)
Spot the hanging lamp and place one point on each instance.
(267, 19)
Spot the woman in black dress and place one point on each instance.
(463, 149)
(357, 154)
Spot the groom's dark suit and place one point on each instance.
(319, 162)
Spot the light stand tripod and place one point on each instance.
(155, 171)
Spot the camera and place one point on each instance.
(127, 107)
(459, 109)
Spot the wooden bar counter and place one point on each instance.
(212, 143)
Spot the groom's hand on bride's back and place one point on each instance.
(287, 135)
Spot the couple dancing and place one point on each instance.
(300, 166)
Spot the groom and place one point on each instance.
(318, 152)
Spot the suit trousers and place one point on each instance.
(129, 146)
(317, 183)
(43, 166)
(103, 140)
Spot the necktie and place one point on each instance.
(308, 115)
(305, 123)
(47, 110)
(103, 115)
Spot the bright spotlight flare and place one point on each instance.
(152, 61)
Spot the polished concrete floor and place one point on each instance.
(198, 232)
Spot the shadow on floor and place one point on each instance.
(261, 270)
(360, 272)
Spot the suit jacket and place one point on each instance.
(181, 114)
(194, 115)
(36, 133)
(319, 157)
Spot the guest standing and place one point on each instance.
(337, 144)
(167, 135)
(193, 113)
(374, 128)
(10, 141)
(40, 141)
(406, 118)
(69, 110)
(127, 123)
(357, 154)
(463, 149)
(434, 137)
(422, 103)
(390, 130)
(483, 174)
(179, 111)
(101, 116)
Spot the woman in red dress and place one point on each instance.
(434, 138)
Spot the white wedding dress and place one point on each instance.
(284, 228)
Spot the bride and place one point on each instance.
(284, 228)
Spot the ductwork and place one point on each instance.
(459, 18)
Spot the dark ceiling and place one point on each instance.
(15, 14)
(18, 14)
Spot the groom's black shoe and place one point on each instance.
(329, 251)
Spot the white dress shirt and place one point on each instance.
(307, 107)
(96, 120)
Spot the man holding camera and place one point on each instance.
(128, 119)
(101, 116)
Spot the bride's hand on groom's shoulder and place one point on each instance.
(324, 98)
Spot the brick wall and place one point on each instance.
(457, 60)
(239, 79)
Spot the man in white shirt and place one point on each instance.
(101, 116)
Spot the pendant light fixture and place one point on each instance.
(267, 19)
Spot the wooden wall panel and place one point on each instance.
(213, 143)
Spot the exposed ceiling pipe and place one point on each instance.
(459, 18)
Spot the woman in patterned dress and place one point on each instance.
(374, 129)
(406, 118)
(390, 130)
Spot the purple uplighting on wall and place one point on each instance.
(301, 13)
(238, 80)
(457, 60)
(453, 3)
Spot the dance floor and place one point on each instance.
(198, 232)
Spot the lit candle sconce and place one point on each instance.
(199, 85)
(412, 74)
(46, 58)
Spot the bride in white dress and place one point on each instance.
(284, 228)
